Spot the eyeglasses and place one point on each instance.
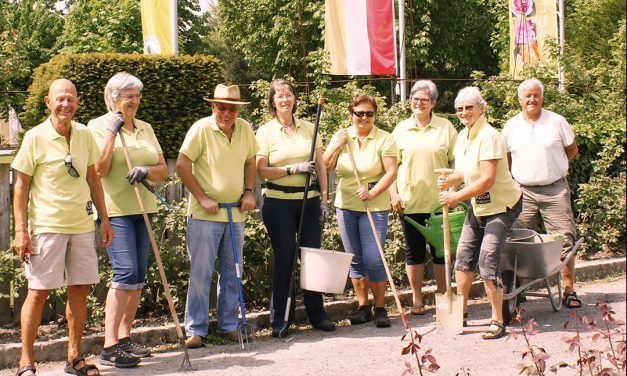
(467, 108)
(70, 168)
(130, 97)
(224, 108)
(421, 100)
(364, 113)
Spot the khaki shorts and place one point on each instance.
(54, 255)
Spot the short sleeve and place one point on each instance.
(153, 139)
(568, 136)
(24, 161)
(452, 134)
(192, 144)
(94, 150)
(388, 147)
(253, 146)
(491, 147)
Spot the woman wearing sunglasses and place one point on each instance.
(481, 164)
(425, 142)
(282, 161)
(129, 250)
(374, 152)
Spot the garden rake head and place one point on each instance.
(186, 365)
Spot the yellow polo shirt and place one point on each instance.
(484, 143)
(218, 165)
(144, 150)
(377, 144)
(59, 203)
(281, 150)
(420, 151)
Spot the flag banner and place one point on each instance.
(159, 26)
(531, 23)
(359, 35)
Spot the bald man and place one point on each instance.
(54, 194)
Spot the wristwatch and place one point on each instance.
(249, 190)
(289, 170)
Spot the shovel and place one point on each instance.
(244, 329)
(449, 307)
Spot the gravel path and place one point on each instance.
(366, 350)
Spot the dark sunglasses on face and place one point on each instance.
(224, 108)
(70, 168)
(364, 113)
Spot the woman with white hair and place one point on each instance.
(481, 164)
(424, 142)
(129, 250)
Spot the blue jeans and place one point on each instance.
(129, 252)
(206, 241)
(358, 239)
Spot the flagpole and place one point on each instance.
(562, 37)
(401, 49)
(174, 28)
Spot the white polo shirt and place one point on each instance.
(537, 150)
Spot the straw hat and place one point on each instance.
(226, 94)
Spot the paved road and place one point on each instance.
(366, 350)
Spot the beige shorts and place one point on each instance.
(56, 255)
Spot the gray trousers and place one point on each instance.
(551, 204)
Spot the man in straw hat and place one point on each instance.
(217, 165)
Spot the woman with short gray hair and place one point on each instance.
(129, 250)
(481, 164)
(425, 142)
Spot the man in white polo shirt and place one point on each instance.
(540, 144)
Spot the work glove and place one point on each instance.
(305, 167)
(117, 122)
(324, 212)
(137, 174)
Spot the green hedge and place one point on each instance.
(172, 96)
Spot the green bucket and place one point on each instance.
(433, 229)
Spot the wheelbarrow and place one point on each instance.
(530, 261)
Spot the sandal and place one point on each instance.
(571, 300)
(494, 334)
(417, 310)
(70, 367)
(27, 368)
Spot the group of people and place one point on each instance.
(65, 169)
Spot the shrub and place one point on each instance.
(172, 95)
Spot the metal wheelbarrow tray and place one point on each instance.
(526, 264)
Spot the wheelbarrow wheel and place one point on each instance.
(509, 306)
(555, 296)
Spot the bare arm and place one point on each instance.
(321, 171)
(158, 172)
(390, 167)
(184, 170)
(267, 172)
(480, 186)
(333, 151)
(571, 150)
(103, 163)
(248, 198)
(97, 197)
(21, 190)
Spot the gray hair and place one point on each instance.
(528, 84)
(118, 84)
(470, 94)
(426, 85)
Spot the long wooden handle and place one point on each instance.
(153, 243)
(447, 233)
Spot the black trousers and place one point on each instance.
(281, 218)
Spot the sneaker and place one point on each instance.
(381, 319)
(115, 356)
(194, 342)
(325, 325)
(361, 316)
(133, 347)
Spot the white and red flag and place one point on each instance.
(359, 35)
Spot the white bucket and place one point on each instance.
(324, 271)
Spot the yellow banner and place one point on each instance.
(159, 26)
(531, 23)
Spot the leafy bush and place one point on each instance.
(172, 95)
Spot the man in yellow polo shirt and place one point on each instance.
(55, 188)
(217, 165)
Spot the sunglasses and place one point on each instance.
(70, 168)
(467, 108)
(364, 113)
